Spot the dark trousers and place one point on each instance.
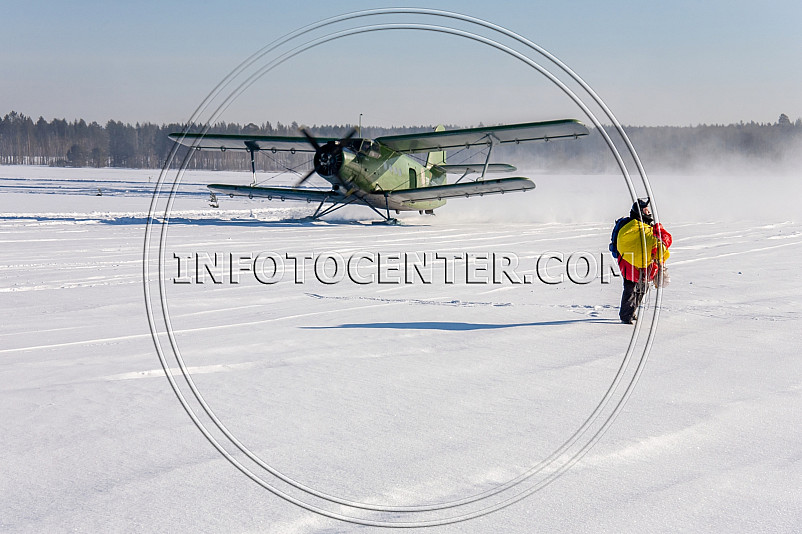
(630, 299)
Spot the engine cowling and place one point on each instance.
(329, 159)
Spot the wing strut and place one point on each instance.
(491, 139)
(464, 174)
(252, 148)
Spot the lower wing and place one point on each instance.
(468, 189)
(277, 193)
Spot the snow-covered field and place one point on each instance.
(392, 393)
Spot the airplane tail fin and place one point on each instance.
(436, 158)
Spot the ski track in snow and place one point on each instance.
(740, 252)
(198, 370)
(398, 394)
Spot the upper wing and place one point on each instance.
(467, 189)
(272, 143)
(466, 137)
(278, 193)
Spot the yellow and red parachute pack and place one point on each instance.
(641, 246)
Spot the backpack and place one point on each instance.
(614, 237)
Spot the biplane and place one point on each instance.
(381, 173)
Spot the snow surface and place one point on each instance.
(397, 394)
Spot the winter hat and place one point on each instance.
(637, 210)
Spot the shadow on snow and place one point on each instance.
(457, 326)
(141, 220)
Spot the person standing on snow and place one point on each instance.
(632, 237)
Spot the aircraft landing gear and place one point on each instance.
(388, 222)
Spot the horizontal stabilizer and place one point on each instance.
(474, 167)
(466, 189)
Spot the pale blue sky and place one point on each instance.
(681, 62)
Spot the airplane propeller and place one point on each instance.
(328, 157)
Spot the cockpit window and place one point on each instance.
(364, 147)
(353, 144)
(370, 148)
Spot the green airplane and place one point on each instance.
(380, 173)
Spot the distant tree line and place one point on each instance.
(24, 141)
(669, 148)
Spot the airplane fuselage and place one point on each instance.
(371, 169)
